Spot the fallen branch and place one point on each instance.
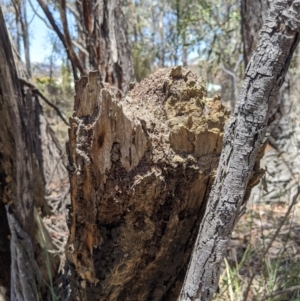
(35, 90)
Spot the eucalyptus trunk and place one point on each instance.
(244, 137)
(103, 33)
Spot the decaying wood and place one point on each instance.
(17, 169)
(140, 172)
(243, 138)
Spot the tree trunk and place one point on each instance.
(27, 149)
(103, 28)
(244, 137)
(22, 23)
(253, 14)
(25, 35)
(140, 170)
(102, 43)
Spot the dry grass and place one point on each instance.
(262, 262)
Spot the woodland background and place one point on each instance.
(215, 40)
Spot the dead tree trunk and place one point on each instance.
(140, 171)
(244, 137)
(27, 150)
(17, 163)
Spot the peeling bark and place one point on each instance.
(243, 139)
(140, 170)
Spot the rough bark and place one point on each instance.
(104, 36)
(27, 150)
(13, 137)
(253, 14)
(243, 138)
(140, 172)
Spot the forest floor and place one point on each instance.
(263, 260)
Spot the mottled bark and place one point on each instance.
(27, 149)
(141, 170)
(253, 14)
(243, 139)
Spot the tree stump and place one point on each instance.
(141, 170)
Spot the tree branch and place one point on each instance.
(80, 47)
(74, 62)
(68, 39)
(44, 98)
(244, 136)
(73, 10)
(39, 16)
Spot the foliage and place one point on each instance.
(202, 33)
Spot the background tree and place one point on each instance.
(16, 11)
(201, 34)
(101, 42)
